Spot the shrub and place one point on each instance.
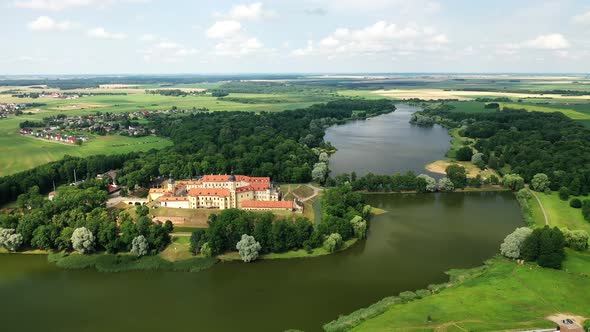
(248, 248)
(407, 296)
(422, 293)
(564, 193)
(576, 239)
(345, 323)
(586, 209)
(540, 182)
(576, 203)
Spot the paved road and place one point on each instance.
(316, 191)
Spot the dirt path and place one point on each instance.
(316, 191)
(542, 207)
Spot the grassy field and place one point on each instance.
(177, 250)
(473, 171)
(571, 113)
(561, 214)
(507, 296)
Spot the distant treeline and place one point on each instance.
(174, 92)
(272, 87)
(69, 83)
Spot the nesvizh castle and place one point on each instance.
(223, 192)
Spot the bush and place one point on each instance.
(422, 293)
(564, 193)
(346, 323)
(586, 209)
(407, 296)
(576, 239)
(576, 203)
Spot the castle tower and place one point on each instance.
(171, 184)
(232, 188)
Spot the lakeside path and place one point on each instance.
(542, 207)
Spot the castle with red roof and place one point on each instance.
(223, 192)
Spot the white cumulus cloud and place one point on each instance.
(251, 12)
(554, 41)
(46, 23)
(101, 33)
(224, 29)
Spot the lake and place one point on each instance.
(407, 248)
(386, 144)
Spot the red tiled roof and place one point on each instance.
(268, 204)
(158, 190)
(253, 187)
(168, 198)
(219, 192)
(225, 178)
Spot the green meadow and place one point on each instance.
(507, 296)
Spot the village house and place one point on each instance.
(223, 192)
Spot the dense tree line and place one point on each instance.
(542, 245)
(528, 143)
(58, 172)
(77, 219)
(272, 88)
(344, 213)
(173, 92)
(280, 145)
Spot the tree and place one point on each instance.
(586, 209)
(197, 240)
(64, 241)
(142, 210)
(319, 172)
(139, 246)
(464, 154)
(107, 236)
(564, 193)
(9, 239)
(13, 242)
(513, 242)
(206, 250)
(575, 239)
(457, 175)
(545, 246)
(477, 160)
(359, 226)
(323, 157)
(168, 226)
(445, 184)
(333, 242)
(83, 240)
(540, 182)
(513, 181)
(576, 203)
(248, 248)
(493, 162)
(430, 182)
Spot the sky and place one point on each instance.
(293, 36)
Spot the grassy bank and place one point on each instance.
(301, 253)
(125, 262)
(501, 296)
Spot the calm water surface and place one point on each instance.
(386, 144)
(407, 248)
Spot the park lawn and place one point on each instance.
(470, 107)
(577, 262)
(177, 250)
(191, 217)
(561, 214)
(507, 296)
